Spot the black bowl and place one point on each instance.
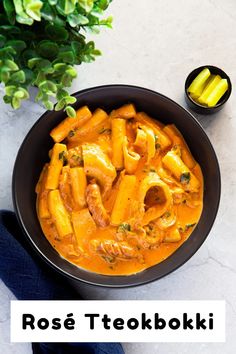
(197, 107)
(34, 153)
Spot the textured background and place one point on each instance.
(155, 44)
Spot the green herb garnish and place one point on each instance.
(124, 227)
(157, 145)
(62, 157)
(108, 259)
(185, 177)
(71, 133)
(104, 130)
(188, 226)
(78, 159)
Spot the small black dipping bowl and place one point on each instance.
(33, 154)
(197, 107)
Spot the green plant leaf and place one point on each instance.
(107, 22)
(39, 96)
(60, 105)
(4, 68)
(48, 87)
(66, 80)
(57, 33)
(94, 29)
(52, 2)
(7, 52)
(11, 65)
(21, 93)
(10, 10)
(29, 76)
(4, 75)
(70, 111)
(48, 49)
(15, 102)
(103, 4)
(61, 93)
(48, 13)
(77, 20)
(17, 45)
(48, 105)
(40, 77)
(29, 54)
(45, 65)
(10, 90)
(70, 100)
(7, 99)
(33, 62)
(71, 72)
(77, 47)
(60, 67)
(9, 30)
(66, 7)
(25, 20)
(67, 56)
(18, 77)
(32, 8)
(2, 40)
(87, 5)
(21, 15)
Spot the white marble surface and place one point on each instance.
(155, 44)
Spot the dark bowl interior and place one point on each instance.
(197, 107)
(34, 153)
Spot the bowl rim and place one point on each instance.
(104, 283)
(220, 103)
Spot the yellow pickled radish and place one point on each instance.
(214, 80)
(199, 81)
(217, 93)
(200, 90)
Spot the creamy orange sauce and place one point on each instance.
(79, 210)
